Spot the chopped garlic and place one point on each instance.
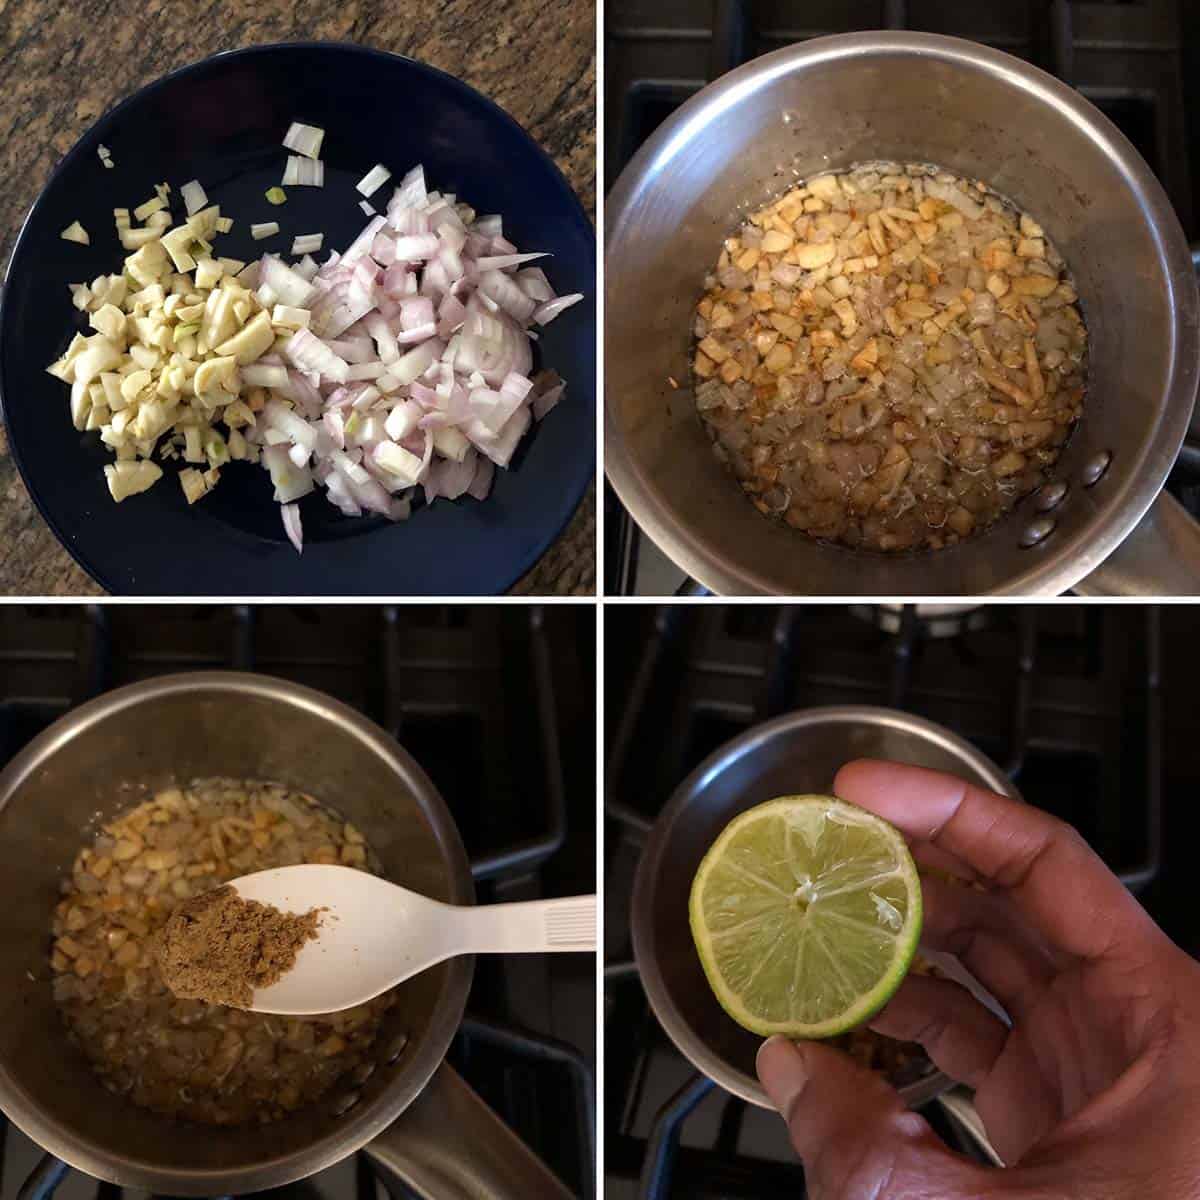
(174, 331)
(150, 207)
(129, 478)
(307, 243)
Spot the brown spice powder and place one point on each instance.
(218, 947)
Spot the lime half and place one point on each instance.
(806, 913)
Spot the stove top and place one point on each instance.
(1136, 60)
(494, 702)
(1087, 707)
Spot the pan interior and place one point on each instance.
(116, 762)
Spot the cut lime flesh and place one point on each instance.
(806, 913)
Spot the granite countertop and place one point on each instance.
(64, 65)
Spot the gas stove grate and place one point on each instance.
(471, 686)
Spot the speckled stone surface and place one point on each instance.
(62, 65)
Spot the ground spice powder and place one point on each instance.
(218, 947)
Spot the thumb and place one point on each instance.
(852, 1131)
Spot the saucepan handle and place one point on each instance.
(1161, 557)
(449, 1145)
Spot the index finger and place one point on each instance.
(1047, 868)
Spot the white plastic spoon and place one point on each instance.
(374, 934)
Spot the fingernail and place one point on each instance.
(781, 1071)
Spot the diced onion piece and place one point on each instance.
(397, 461)
(411, 193)
(260, 375)
(264, 229)
(547, 312)
(374, 179)
(402, 420)
(308, 243)
(291, 482)
(194, 196)
(500, 449)
(288, 286)
(543, 403)
(303, 172)
(294, 427)
(481, 485)
(367, 207)
(417, 361)
(76, 233)
(499, 262)
(309, 353)
(307, 267)
(417, 247)
(304, 139)
(290, 317)
(291, 525)
(533, 282)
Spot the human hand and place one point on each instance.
(1094, 1092)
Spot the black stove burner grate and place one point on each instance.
(498, 703)
(1065, 698)
(470, 686)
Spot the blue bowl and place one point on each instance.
(221, 121)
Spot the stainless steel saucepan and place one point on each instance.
(119, 748)
(1106, 526)
(793, 754)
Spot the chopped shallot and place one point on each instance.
(303, 172)
(307, 243)
(291, 525)
(374, 179)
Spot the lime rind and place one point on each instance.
(806, 914)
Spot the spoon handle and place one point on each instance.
(531, 927)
